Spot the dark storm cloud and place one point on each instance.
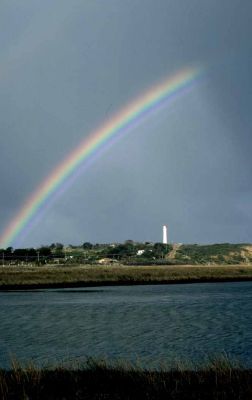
(67, 66)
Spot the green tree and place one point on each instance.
(123, 250)
(87, 246)
(161, 249)
(59, 246)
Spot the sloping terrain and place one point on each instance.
(223, 253)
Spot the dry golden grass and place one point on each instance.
(49, 276)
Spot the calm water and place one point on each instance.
(153, 323)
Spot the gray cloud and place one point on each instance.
(67, 66)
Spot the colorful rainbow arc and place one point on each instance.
(123, 120)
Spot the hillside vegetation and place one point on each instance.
(130, 253)
(224, 253)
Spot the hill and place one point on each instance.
(224, 253)
(130, 253)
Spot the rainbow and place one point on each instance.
(95, 143)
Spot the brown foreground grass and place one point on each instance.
(25, 277)
(219, 379)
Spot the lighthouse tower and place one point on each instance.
(164, 234)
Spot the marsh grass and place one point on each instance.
(216, 378)
(72, 276)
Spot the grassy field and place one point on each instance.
(18, 277)
(218, 379)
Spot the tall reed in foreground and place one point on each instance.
(217, 379)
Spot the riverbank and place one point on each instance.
(219, 379)
(39, 277)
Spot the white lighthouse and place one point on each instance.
(164, 234)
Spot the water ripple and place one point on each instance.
(153, 323)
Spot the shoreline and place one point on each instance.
(64, 277)
(88, 284)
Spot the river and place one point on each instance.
(153, 324)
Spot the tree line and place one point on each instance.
(87, 252)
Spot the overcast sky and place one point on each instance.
(67, 66)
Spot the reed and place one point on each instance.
(219, 378)
(22, 277)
